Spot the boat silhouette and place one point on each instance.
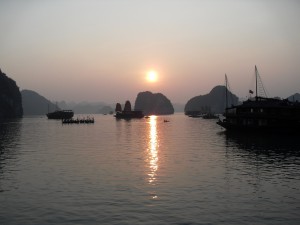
(60, 114)
(262, 114)
(127, 113)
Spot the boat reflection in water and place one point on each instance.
(152, 150)
(268, 147)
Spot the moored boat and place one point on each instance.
(127, 113)
(210, 116)
(60, 114)
(262, 114)
(194, 114)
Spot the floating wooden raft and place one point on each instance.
(78, 120)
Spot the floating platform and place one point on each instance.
(87, 120)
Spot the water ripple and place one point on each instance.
(145, 171)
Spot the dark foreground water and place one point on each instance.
(186, 171)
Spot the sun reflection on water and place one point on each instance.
(153, 150)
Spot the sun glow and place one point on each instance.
(153, 149)
(152, 76)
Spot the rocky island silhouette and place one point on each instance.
(10, 98)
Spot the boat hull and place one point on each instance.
(129, 115)
(61, 114)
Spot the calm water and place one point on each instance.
(186, 171)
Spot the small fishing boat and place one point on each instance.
(210, 116)
(60, 114)
(195, 115)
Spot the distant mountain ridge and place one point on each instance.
(35, 104)
(10, 98)
(153, 104)
(213, 102)
(294, 97)
(87, 107)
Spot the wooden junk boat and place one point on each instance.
(262, 114)
(127, 113)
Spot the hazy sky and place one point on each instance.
(78, 50)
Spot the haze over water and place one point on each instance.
(186, 171)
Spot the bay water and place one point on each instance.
(158, 170)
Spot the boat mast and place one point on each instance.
(256, 74)
(226, 95)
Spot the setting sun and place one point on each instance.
(152, 76)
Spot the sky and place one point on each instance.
(102, 50)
